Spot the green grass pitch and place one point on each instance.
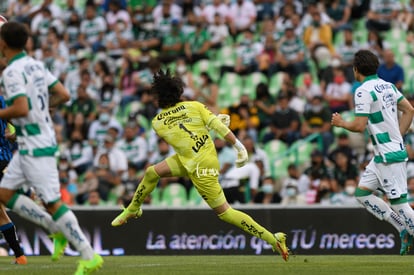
(217, 265)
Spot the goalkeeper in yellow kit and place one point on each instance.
(184, 125)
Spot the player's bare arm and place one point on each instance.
(357, 125)
(19, 108)
(407, 115)
(58, 95)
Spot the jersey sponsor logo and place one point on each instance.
(31, 68)
(13, 88)
(173, 111)
(381, 87)
(199, 143)
(359, 107)
(388, 99)
(359, 94)
(172, 121)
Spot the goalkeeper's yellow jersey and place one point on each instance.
(183, 126)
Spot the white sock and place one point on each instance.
(407, 215)
(382, 211)
(28, 209)
(69, 226)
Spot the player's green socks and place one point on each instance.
(245, 222)
(145, 187)
(68, 224)
(28, 209)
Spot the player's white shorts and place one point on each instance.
(389, 177)
(41, 173)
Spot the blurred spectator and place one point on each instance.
(146, 35)
(247, 54)
(343, 170)
(162, 151)
(127, 84)
(284, 20)
(184, 72)
(79, 152)
(109, 182)
(67, 188)
(242, 15)
(94, 199)
(207, 92)
(359, 8)
(284, 122)
(291, 54)
(318, 37)
(300, 180)
(215, 10)
(266, 194)
(312, 8)
(265, 104)
(309, 89)
(73, 78)
(117, 39)
(343, 145)
(406, 16)
(53, 62)
(381, 14)
(92, 29)
(340, 12)
(218, 31)
(317, 119)
(346, 52)
(99, 127)
(118, 161)
(244, 117)
(376, 44)
(18, 10)
(130, 182)
(279, 6)
(102, 75)
(134, 146)
(410, 188)
(197, 43)
(166, 10)
(172, 44)
(318, 170)
(338, 93)
(83, 106)
(292, 195)
(390, 71)
(117, 14)
(346, 196)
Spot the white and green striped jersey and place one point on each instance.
(136, 150)
(25, 76)
(378, 100)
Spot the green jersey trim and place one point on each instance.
(400, 200)
(370, 77)
(400, 98)
(376, 117)
(361, 114)
(17, 56)
(392, 157)
(10, 101)
(53, 84)
(40, 152)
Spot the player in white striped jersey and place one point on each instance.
(27, 84)
(377, 104)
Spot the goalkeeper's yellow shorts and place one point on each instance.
(204, 178)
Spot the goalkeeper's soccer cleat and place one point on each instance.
(59, 244)
(86, 267)
(280, 245)
(125, 216)
(406, 242)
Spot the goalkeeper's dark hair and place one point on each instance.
(167, 88)
(15, 35)
(366, 62)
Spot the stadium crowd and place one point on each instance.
(278, 68)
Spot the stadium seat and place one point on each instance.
(205, 65)
(226, 56)
(251, 81)
(275, 148)
(275, 84)
(301, 151)
(174, 194)
(156, 196)
(279, 167)
(230, 90)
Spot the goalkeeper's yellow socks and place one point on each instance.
(245, 222)
(145, 187)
